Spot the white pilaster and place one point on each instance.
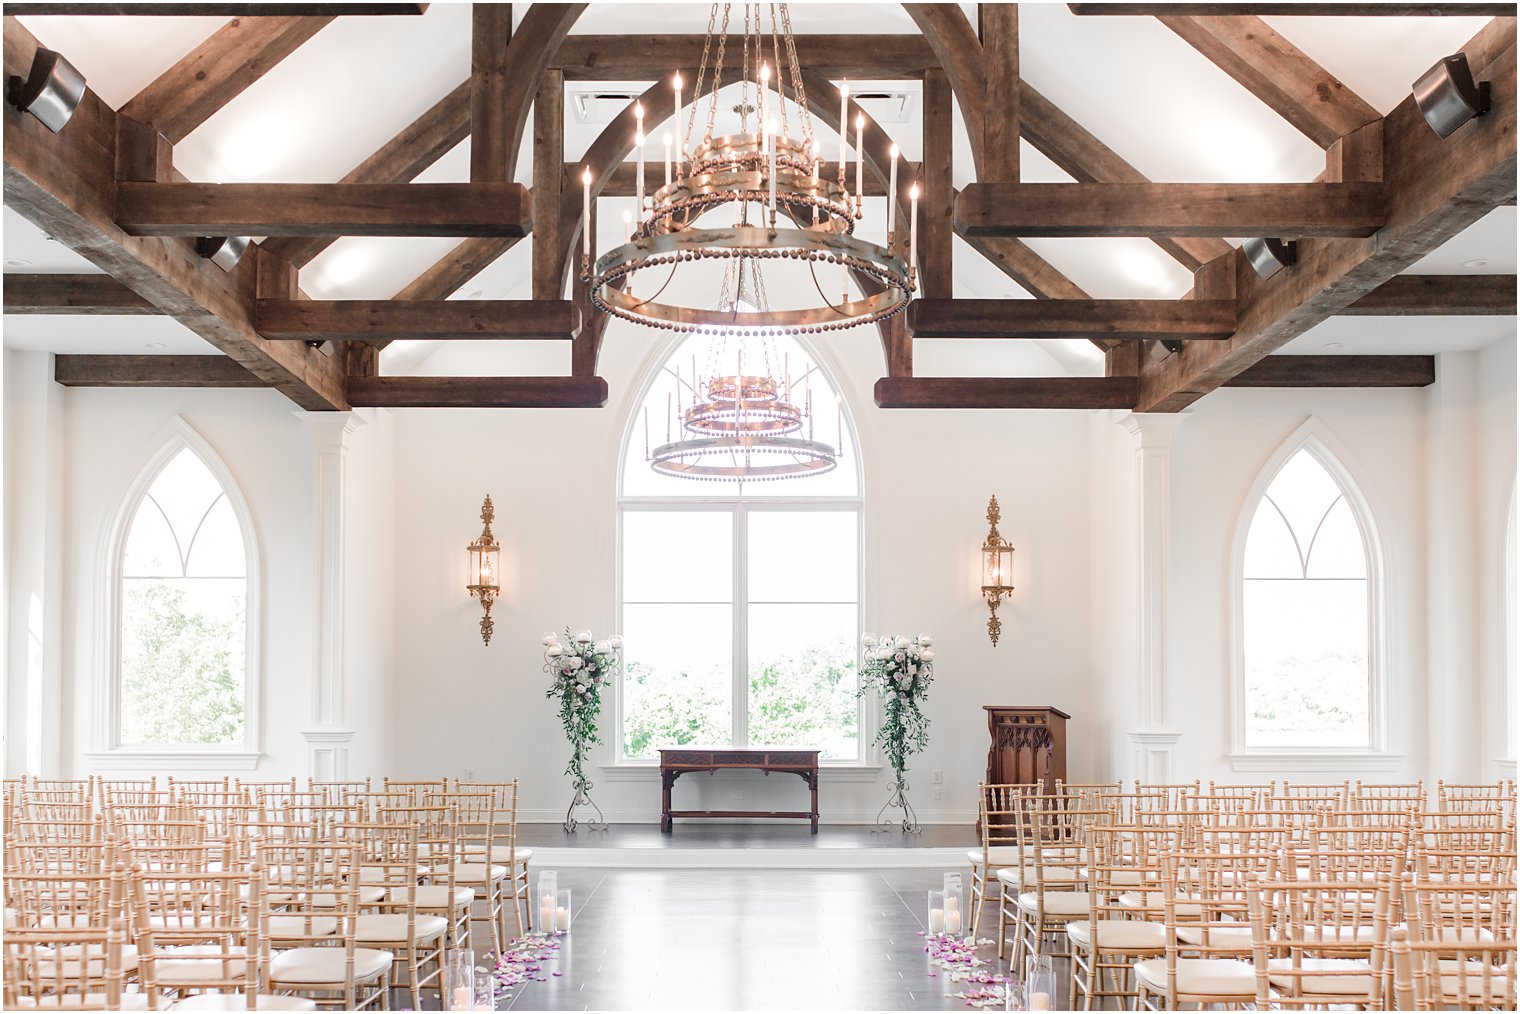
(327, 737)
(1151, 735)
(1452, 683)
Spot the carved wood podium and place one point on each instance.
(1028, 745)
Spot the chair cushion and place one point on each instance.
(436, 896)
(1200, 976)
(286, 926)
(1013, 876)
(319, 966)
(998, 855)
(391, 929)
(475, 873)
(1355, 981)
(93, 1001)
(1456, 980)
(72, 955)
(237, 1001)
(1119, 935)
(1154, 900)
(171, 970)
(1057, 903)
(1218, 936)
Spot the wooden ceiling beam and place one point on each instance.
(217, 71)
(1338, 371)
(1088, 160)
(152, 371)
(654, 57)
(490, 93)
(400, 160)
(477, 392)
(386, 319)
(65, 183)
(212, 10)
(1006, 392)
(1318, 10)
(83, 295)
(1438, 296)
(1278, 73)
(1435, 189)
(1182, 319)
(324, 209)
(1288, 210)
(549, 186)
(621, 182)
(998, 29)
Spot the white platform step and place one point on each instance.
(749, 858)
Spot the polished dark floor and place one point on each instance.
(739, 940)
(708, 834)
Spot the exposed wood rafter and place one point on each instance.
(87, 295)
(1006, 392)
(653, 57)
(152, 371)
(1339, 371)
(1438, 296)
(1072, 318)
(1319, 10)
(212, 10)
(384, 319)
(478, 392)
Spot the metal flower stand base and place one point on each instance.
(898, 800)
(583, 798)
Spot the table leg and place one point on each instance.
(813, 783)
(667, 779)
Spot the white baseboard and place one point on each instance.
(640, 815)
(748, 859)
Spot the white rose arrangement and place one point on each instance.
(900, 669)
(579, 667)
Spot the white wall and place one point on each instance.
(426, 697)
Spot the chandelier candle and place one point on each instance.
(892, 197)
(680, 148)
(844, 124)
(770, 128)
(860, 163)
(913, 234)
(765, 90)
(586, 213)
(817, 163)
(638, 140)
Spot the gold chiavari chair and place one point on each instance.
(255, 789)
(1052, 890)
(53, 804)
(192, 934)
(313, 883)
(389, 859)
(998, 813)
(337, 792)
(1388, 795)
(109, 790)
(178, 785)
(1205, 908)
(1124, 861)
(1257, 792)
(505, 850)
(475, 817)
(1085, 795)
(147, 807)
(1312, 796)
(1318, 943)
(68, 902)
(416, 788)
(1167, 795)
(75, 790)
(92, 979)
(1460, 946)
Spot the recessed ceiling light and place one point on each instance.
(17, 262)
(1335, 345)
(476, 294)
(153, 345)
(1476, 262)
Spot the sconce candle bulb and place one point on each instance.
(997, 570)
(485, 570)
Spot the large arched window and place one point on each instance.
(1308, 601)
(181, 663)
(739, 601)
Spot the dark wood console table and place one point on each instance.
(678, 761)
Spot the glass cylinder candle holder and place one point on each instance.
(1013, 996)
(562, 911)
(458, 979)
(544, 899)
(1040, 982)
(487, 989)
(936, 913)
(956, 922)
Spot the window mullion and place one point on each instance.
(740, 682)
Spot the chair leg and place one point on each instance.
(978, 899)
(1002, 941)
(519, 897)
(411, 965)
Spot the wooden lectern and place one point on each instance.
(1028, 745)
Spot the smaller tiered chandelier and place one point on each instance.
(764, 175)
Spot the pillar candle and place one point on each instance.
(860, 159)
(680, 148)
(1039, 1001)
(952, 921)
(462, 998)
(892, 194)
(586, 213)
(844, 125)
(913, 229)
(936, 920)
(562, 919)
(638, 140)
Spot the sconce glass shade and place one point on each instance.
(997, 570)
(485, 570)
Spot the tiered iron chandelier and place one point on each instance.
(765, 175)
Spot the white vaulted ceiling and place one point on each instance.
(1129, 80)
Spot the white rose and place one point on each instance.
(583, 637)
(555, 651)
(574, 663)
(903, 644)
(604, 647)
(616, 640)
(927, 656)
(925, 640)
(899, 656)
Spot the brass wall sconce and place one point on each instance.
(997, 570)
(485, 570)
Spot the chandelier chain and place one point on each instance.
(696, 93)
(799, 87)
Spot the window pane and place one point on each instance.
(1338, 550)
(678, 556)
(151, 550)
(803, 556)
(678, 679)
(802, 678)
(217, 549)
(185, 489)
(1306, 663)
(1303, 490)
(182, 661)
(1270, 550)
